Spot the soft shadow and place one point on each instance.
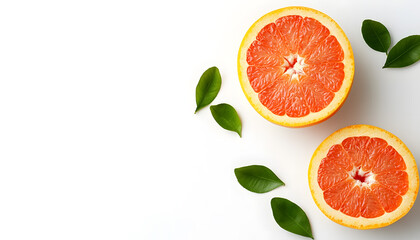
(403, 228)
(356, 108)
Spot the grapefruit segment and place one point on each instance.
(373, 151)
(363, 177)
(330, 174)
(316, 95)
(270, 37)
(329, 50)
(396, 181)
(311, 33)
(389, 159)
(288, 27)
(295, 105)
(262, 76)
(371, 207)
(313, 54)
(263, 55)
(330, 75)
(356, 149)
(336, 195)
(352, 205)
(275, 91)
(340, 156)
(388, 198)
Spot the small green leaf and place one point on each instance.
(291, 217)
(404, 53)
(257, 178)
(376, 35)
(227, 117)
(208, 87)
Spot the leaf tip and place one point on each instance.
(365, 21)
(273, 199)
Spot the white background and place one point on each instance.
(98, 136)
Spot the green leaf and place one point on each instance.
(257, 178)
(404, 53)
(227, 117)
(376, 35)
(208, 87)
(291, 217)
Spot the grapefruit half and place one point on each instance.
(363, 177)
(295, 66)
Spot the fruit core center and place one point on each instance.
(361, 176)
(294, 65)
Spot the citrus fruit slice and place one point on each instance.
(295, 66)
(363, 177)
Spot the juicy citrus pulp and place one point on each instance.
(363, 177)
(295, 66)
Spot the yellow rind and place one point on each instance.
(340, 96)
(360, 222)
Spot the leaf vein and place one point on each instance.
(403, 53)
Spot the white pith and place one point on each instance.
(370, 177)
(297, 69)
